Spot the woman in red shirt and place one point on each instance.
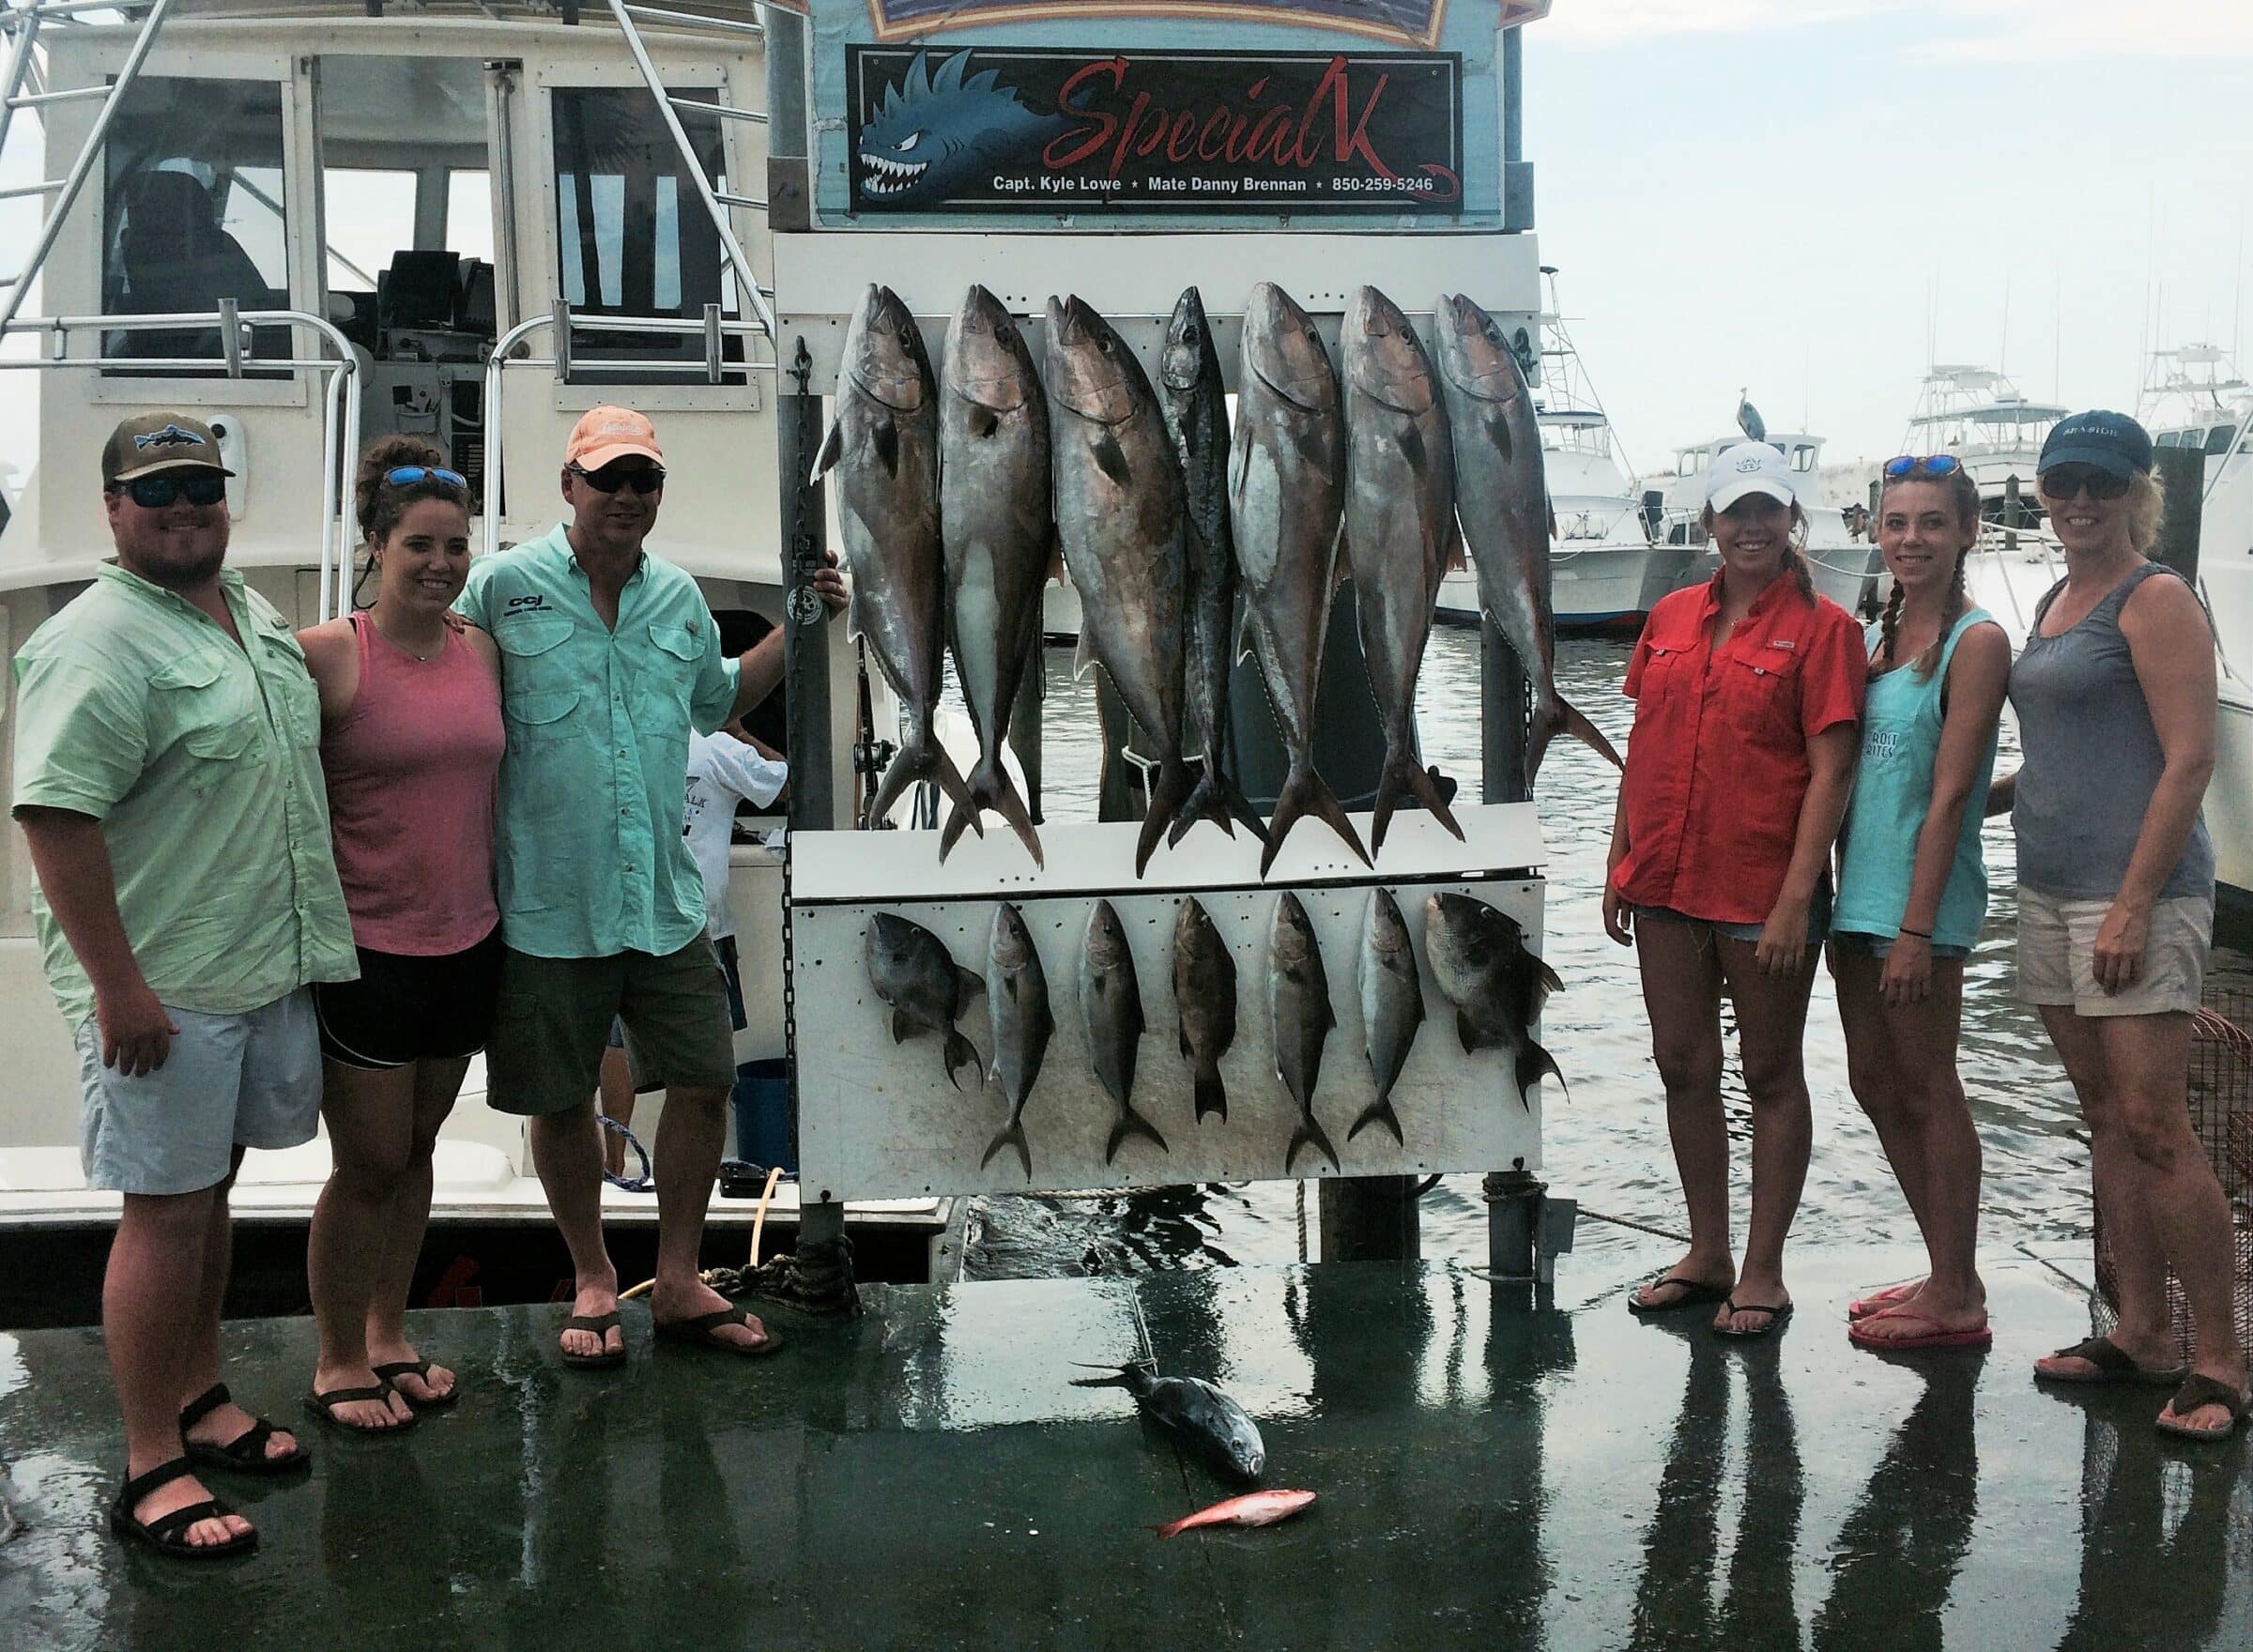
(1747, 691)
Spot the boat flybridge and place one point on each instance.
(1843, 562)
(313, 222)
(1977, 414)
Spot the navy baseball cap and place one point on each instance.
(2107, 442)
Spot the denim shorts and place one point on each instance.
(228, 1081)
(1879, 946)
(1818, 919)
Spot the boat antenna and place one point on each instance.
(2003, 351)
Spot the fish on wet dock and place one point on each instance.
(1392, 1007)
(884, 445)
(1502, 502)
(1205, 999)
(1255, 1508)
(1110, 1005)
(1483, 967)
(1286, 500)
(1299, 1003)
(993, 515)
(1194, 402)
(928, 991)
(1401, 534)
(1016, 1004)
(1120, 520)
(1195, 1411)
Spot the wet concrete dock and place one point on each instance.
(1493, 1472)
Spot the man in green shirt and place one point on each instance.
(608, 656)
(168, 780)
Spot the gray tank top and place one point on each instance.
(2092, 761)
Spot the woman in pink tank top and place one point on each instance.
(411, 740)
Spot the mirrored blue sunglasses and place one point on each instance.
(407, 475)
(1930, 464)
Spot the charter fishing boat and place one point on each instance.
(1606, 569)
(1842, 558)
(311, 222)
(1991, 426)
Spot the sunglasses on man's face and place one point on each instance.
(2065, 481)
(641, 479)
(156, 493)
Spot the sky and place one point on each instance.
(1813, 199)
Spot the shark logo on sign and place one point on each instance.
(172, 435)
(935, 131)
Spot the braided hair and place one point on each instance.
(1963, 494)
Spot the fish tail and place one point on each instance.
(954, 786)
(951, 833)
(1131, 1123)
(1000, 792)
(1378, 1112)
(1310, 1134)
(1167, 794)
(1401, 774)
(1534, 1062)
(959, 1051)
(1577, 724)
(1561, 716)
(1204, 804)
(1173, 1528)
(1212, 1095)
(1305, 792)
(1012, 1135)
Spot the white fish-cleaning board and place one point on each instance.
(879, 1120)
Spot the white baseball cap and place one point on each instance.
(1749, 467)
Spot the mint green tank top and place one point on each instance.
(1892, 794)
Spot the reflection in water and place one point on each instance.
(2156, 1548)
(1898, 1552)
(1674, 1605)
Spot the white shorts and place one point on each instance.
(2056, 945)
(229, 1082)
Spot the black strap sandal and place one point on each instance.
(246, 1453)
(2200, 1391)
(1694, 1292)
(2113, 1364)
(601, 1324)
(323, 1404)
(1777, 1314)
(703, 1332)
(393, 1370)
(168, 1532)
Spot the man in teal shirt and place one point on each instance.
(168, 781)
(608, 657)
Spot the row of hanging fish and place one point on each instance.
(955, 493)
(1479, 959)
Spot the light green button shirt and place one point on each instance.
(202, 762)
(588, 841)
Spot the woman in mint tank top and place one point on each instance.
(1913, 890)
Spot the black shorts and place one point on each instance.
(406, 1009)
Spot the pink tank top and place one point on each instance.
(411, 767)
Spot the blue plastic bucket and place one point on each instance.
(762, 1114)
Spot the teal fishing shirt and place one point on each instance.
(588, 849)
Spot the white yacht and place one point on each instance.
(1842, 559)
(309, 222)
(1981, 417)
(1606, 569)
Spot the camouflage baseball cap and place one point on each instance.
(152, 444)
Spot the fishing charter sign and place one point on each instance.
(1050, 130)
(1168, 113)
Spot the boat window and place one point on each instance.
(1688, 465)
(193, 213)
(1802, 457)
(2217, 440)
(369, 213)
(631, 236)
(469, 213)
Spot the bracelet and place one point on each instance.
(1916, 934)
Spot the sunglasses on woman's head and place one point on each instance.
(642, 478)
(407, 475)
(1930, 464)
(155, 493)
(2065, 481)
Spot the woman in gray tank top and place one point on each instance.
(2115, 698)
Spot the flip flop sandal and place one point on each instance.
(392, 1371)
(1776, 1316)
(168, 1532)
(246, 1453)
(1860, 1334)
(1879, 1300)
(2113, 1364)
(702, 1332)
(323, 1405)
(2197, 1391)
(1694, 1292)
(601, 1324)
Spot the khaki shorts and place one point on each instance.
(2056, 940)
(553, 1021)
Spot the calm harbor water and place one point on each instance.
(1607, 1146)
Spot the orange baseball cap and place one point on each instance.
(603, 433)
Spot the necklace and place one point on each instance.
(409, 650)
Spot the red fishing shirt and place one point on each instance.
(1717, 763)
